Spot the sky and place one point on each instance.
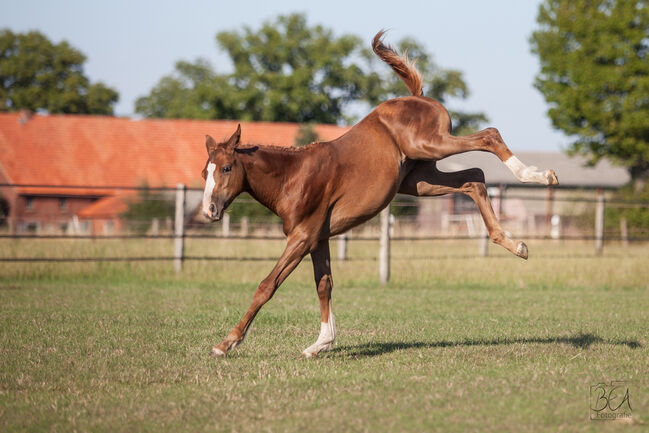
(130, 45)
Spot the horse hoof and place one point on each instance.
(217, 353)
(314, 350)
(521, 251)
(551, 177)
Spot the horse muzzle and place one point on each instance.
(213, 212)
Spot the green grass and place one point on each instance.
(454, 343)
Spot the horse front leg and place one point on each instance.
(296, 248)
(426, 180)
(324, 284)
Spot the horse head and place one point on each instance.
(223, 174)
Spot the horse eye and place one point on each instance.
(226, 169)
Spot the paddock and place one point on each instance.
(110, 330)
(123, 346)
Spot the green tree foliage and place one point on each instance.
(285, 71)
(147, 205)
(289, 71)
(306, 134)
(4, 211)
(595, 77)
(36, 74)
(438, 83)
(194, 91)
(637, 217)
(246, 206)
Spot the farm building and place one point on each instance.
(41, 151)
(523, 208)
(100, 151)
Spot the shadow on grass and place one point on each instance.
(581, 341)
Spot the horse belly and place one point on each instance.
(365, 198)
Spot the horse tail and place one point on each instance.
(404, 67)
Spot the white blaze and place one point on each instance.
(209, 187)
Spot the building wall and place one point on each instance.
(47, 214)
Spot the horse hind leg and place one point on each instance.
(324, 285)
(478, 192)
(494, 143)
(487, 140)
(426, 180)
(529, 173)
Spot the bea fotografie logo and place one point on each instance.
(610, 401)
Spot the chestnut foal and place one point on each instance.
(325, 189)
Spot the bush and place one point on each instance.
(147, 205)
(246, 206)
(637, 218)
(4, 211)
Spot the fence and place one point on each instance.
(406, 219)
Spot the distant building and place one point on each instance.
(100, 151)
(525, 208)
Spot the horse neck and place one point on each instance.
(268, 172)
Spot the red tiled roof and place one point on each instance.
(107, 207)
(105, 151)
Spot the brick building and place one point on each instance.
(42, 151)
(99, 151)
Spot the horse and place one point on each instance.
(326, 188)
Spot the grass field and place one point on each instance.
(453, 343)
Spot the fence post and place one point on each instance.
(555, 227)
(342, 246)
(599, 222)
(484, 232)
(501, 200)
(225, 225)
(549, 208)
(384, 245)
(484, 241)
(244, 226)
(624, 232)
(179, 232)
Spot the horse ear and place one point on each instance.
(210, 144)
(233, 142)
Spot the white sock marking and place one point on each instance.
(326, 338)
(209, 188)
(515, 166)
(526, 173)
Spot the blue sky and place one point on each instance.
(131, 44)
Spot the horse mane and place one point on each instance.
(250, 148)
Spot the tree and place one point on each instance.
(438, 83)
(4, 211)
(595, 77)
(285, 71)
(148, 204)
(288, 71)
(36, 74)
(637, 217)
(306, 134)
